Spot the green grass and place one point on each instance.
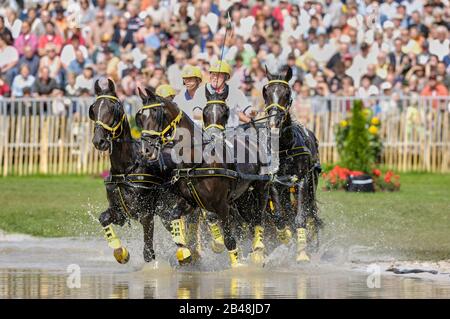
(51, 206)
(414, 222)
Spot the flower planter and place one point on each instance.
(362, 183)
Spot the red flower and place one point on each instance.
(376, 172)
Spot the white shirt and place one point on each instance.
(236, 102)
(8, 55)
(441, 49)
(186, 105)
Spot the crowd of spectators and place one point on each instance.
(358, 48)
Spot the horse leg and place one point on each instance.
(223, 211)
(301, 220)
(147, 222)
(313, 222)
(258, 247)
(284, 233)
(106, 219)
(178, 231)
(217, 242)
(192, 218)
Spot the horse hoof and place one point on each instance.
(217, 247)
(284, 235)
(122, 255)
(302, 257)
(184, 255)
(149, 256)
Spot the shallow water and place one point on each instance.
(44, 268)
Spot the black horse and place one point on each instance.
(133, 191)
(251, 204)
(298, 155)
(200, 180)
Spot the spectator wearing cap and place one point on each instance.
(186, 44)
(104, 49)
(61, 23)
(50, 36)
(26, 38)
(44, 85)
(254, 96)
(192, 78)
(21, 81)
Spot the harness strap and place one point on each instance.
(206, 172)
(279, 106)
(122, 202)
(295, 151)
(172, 125)
(194, 194)
(133, 178)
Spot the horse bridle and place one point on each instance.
(161, 135)
(283, 108)
(218, 126)
(114, 127)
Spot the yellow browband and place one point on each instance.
(162, 134)
(220, 127)
(215, 102)
(108, 97)
(278, 81)
(118, 125)
(279, 106)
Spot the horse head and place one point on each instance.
(108, 114)
(277, 97)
